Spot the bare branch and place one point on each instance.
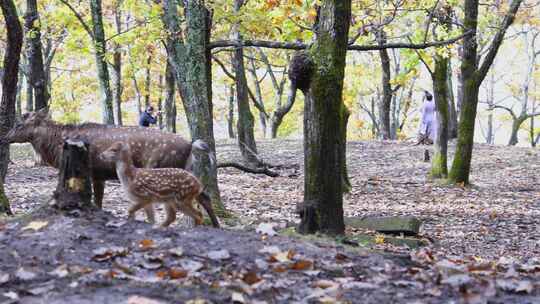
(303, 46)
(79, 17)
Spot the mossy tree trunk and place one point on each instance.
(245, 122)
(191, 61)
(473, 74)
(100, 50)
(170, 103)
(452, 113)
(230, 114)
(35, 55)
(324, 120)
(9, 88)
(386, 100)
(439, 165)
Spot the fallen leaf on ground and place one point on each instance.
(142, 300)
(218, 255)
(106, 253)
(35, 225)
(266, 228)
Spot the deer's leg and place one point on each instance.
(150, 214)
(137, 205)
(99, 188)
(171, 214)
(186, 206)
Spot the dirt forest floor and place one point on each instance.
(483, 240)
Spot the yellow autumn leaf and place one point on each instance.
(379, 239)
(36, 225)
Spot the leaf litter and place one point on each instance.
(485, 243)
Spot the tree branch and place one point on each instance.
(302, 46)
(506, 109)
(262, 170)
(79, 17)
(498, 39)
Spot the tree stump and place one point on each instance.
(74, 189)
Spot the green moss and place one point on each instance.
(439, 167)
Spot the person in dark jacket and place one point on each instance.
(146, 117)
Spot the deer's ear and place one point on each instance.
(43, 113)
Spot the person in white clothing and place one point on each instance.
(428, 121)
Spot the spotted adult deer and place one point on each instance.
(150, 148)
(177, 188)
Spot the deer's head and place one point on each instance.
(115, 152)
(27, 127)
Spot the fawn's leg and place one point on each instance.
(171, 214)
(186, 206)
(99, 188)
(137, 205)
(150, 215)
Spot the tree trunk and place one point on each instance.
(452, 114)
(439, 165)
(473, 77)
(9, 88)
(324, 118)
(230, 115)
(245, 122)
(160, 103)
(386, 101)
(279, 113)
(170, 103)
(29, 95)
(18, 102)
(192, 66)
(258, 94)
(117, 70)
(35, 55)
(100, 49)
(516, 124)
(147, 82)
(74, 189)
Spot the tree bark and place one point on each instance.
(245, 122)
(280, 112)
(230, 114)
(100, 49)
(35, 55)
(117, 70)
(258, 94)
(439, 165)
(147, 82)
(170, 103)
(192, 66)
(452, 113)
(473, 75)
(386, 101)
(324, 118)
(74, 189)
(29, 92)
(9, 87)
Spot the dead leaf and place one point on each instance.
(177, 273)
(515, 286)
(266, 229)
(4, 277)
(60, 271)
(191, 266)
(218, 255)
(142, 300)
(35, 225)
(251, 278)
(301, 265)
(324, 284)
(457, 280)
(106, 253)
(237, 297)
(147, 244)
(177, 251)
(25, 275)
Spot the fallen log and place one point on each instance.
(260, 170)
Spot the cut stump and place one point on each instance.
(74, 191)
